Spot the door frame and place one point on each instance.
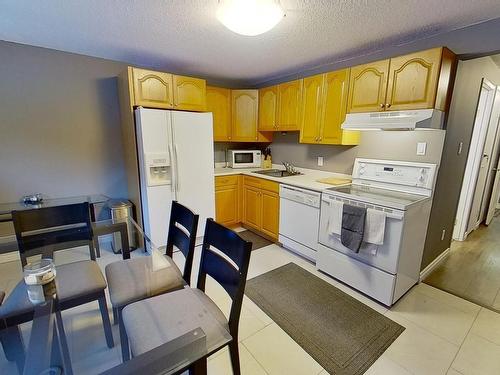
(481, 123)
(494, 150)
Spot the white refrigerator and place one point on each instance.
(176, 162)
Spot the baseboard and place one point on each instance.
(427, 270)
(9, 257)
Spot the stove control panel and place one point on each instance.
(411, 174)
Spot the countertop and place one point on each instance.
(307, 180)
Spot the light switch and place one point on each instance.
(320, 161)
(421, 148)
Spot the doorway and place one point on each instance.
(481, 163)
(471, 269)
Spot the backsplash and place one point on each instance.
(390, 145)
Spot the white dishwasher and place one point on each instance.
(299, 220)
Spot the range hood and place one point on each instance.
(395, 120)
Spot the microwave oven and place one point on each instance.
(244, 158)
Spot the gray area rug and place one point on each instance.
(342, 334)
(256, 240)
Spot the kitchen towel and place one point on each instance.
(335, 217)
(374, 226)
(353, 227)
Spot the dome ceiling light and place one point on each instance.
(250, 17)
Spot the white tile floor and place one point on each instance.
(444, 334)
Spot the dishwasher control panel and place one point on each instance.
(303, 196)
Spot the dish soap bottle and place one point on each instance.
(267, 161)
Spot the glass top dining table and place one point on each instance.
(72, 342)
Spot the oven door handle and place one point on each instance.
(391, 215)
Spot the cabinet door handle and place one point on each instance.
(388, 105)
(382, 105)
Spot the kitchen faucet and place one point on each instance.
(290, 168)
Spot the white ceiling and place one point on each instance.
(184, 35)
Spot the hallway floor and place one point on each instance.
(472, 269)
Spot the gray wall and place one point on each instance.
(459, 129)
(59, 124)
(395, 145)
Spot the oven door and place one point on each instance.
(386, 255)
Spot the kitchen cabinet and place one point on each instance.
(244, 114)
(189, 93)
(311, 109)
(227, 200)
(268, 108)
(413, 80)
(152, 89)
(420, 80)
(270, 213)
(219, 103)
(289, 105)
(335, 96)
(324, 106)
(280, 106)
(368, 87)
(261, 205)
(164, 90)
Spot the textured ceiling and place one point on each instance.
(184, 35)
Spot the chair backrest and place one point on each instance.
(40, 227)
(225, 257)
(182, 234)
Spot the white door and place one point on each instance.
(193, 149)
(156, 197)
(495, 195)
(474, 159)
(482, 186)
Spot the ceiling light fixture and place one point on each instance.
(250, 17)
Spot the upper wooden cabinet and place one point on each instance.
(413, 80)
(245, 114)
(324, 105)
(335, 95)
(189, 93)
(219, 103)
(312, 102)
(419, 80)
(245, 111)
(289, 100)
(152, 89)
(268, 108)
(165, 90)
(368, 85)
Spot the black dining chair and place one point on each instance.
(158, 320)
(134, 279)
(48, 228)
(42, 231)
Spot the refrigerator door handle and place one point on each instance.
(176, 169)
(172, 171)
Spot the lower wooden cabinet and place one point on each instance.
(261, 204)
(253, 202)
(252, 207)
(270, 213)
(227, 200)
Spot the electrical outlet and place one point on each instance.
(320, 161)
(442, 234)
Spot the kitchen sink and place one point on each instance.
(277, 173)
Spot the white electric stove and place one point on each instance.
(402, 190)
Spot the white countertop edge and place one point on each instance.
(306, 181)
